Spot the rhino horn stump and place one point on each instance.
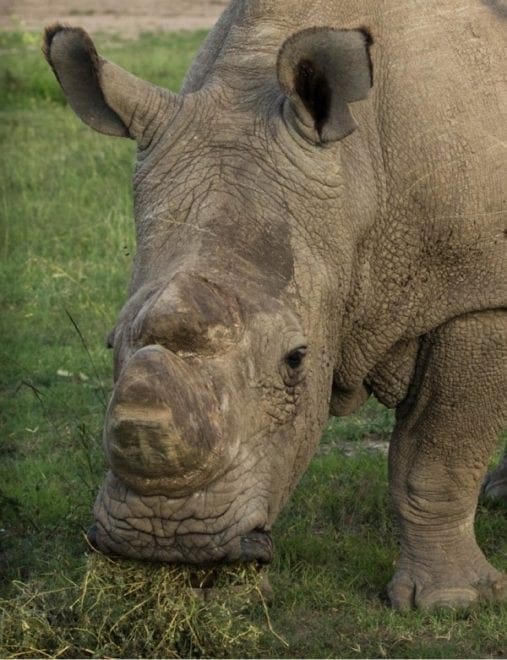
(162, 432)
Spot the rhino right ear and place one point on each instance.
(104, 96)
(322, 70)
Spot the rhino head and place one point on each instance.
(225, 351)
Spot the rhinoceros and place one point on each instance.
(319, 216)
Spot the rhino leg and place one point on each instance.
(446, 429)
(495, 484)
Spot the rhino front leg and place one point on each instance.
(446, 429)
(495, 484)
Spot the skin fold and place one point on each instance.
(319, 217)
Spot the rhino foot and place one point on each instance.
(459, 586)
(495, 484)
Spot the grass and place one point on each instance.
(66, 245)
(124, 609)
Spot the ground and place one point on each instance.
(126, 17)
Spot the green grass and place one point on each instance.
(66, 245)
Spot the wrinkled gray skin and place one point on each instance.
(303, 241)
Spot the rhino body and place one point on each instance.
(319, 217)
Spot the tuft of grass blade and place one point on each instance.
(134, 609)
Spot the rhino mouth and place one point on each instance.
(198, 529)
(254, 547)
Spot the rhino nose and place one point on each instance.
(163, 428)
(257, 546)
(91, 536)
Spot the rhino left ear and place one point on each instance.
(321, 71)
(105, 96)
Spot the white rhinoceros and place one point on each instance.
(319, 217)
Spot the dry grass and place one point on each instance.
(131, 609)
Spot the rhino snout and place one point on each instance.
(163, 426)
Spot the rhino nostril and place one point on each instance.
(257, 546)
(91, 536)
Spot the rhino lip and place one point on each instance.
(257, 546)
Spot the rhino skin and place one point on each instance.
(319, 217)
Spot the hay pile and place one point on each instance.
(132, 609)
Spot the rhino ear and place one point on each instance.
(321, 71)
(104, 96)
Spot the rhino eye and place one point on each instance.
(295, 358)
